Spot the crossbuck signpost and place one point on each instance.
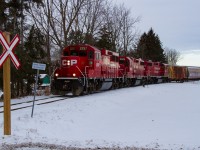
(5, 61)
(8, 50)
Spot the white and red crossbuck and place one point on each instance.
(9, 48)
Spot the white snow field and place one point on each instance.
(160, 116)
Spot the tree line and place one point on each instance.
(46, 27)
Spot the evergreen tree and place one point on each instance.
(3, 15)
(89, 39)
(150, 47)
(10, 13)
(105, 39)
(35, 45)
(76, 37)
(34, 52)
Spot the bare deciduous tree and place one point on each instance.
(172, 55)
(90, 18)
(57, 17)
(121, 25)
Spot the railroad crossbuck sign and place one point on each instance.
(9, 48)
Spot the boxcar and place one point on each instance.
(177, 73)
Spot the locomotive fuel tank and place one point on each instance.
(106, 84)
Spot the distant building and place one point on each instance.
(45, 78)
(44, 86)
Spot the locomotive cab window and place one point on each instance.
(114, 58)
(121, 61)
(117, 59)
(90, 54)
(127, 63)
(74, 53)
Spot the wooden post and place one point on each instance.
(7, 91)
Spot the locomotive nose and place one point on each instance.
(71, 66)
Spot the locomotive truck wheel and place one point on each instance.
(77, 88)
(91, 88)
(117, 85)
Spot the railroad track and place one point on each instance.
(29, 103)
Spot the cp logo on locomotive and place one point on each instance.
(69, 62)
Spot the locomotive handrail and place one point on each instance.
(86, 77)
(122, 75)
(125, 74)
(82, 74)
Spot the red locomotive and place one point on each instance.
(85, 68)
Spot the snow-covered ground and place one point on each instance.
(162, 116)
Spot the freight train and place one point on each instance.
(86, 69)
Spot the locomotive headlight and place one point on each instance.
(56, 74)
(74, 74)
(68, 62)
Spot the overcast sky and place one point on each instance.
(177, 22)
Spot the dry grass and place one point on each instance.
(42, 146)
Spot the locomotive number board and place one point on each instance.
(83, 48)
